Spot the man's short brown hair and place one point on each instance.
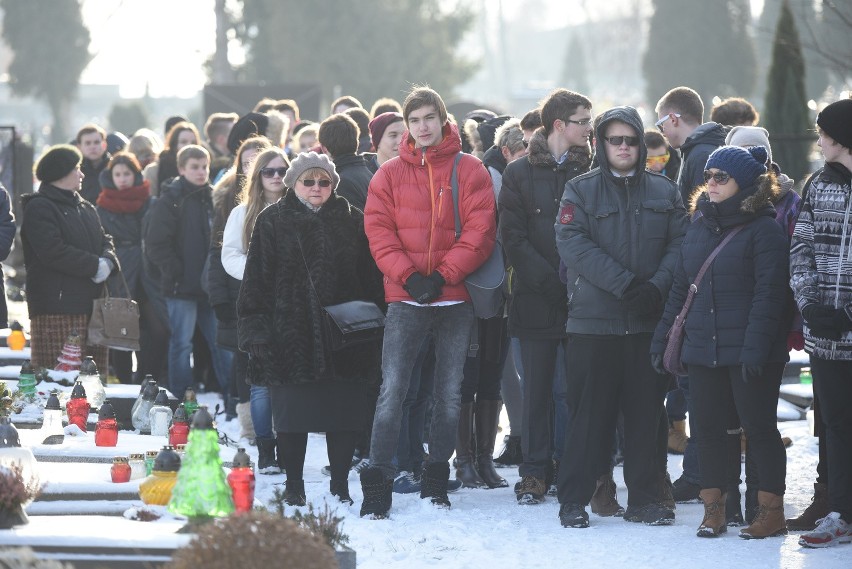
(89, 129)
(385, 105)
(347, 100)
(654, 139)
(219, 123)
(339, 134)
(559, 105)
(735, 111)
(531, 120)
(683, 101)
(288, 105)
(422, 96)
(191, 152)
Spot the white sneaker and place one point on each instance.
(831, 530)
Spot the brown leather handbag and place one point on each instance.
(115, 321)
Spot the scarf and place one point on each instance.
(130, 200)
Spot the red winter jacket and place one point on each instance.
(409, 217)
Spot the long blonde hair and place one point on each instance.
(252, 194)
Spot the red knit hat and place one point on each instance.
(379, 124)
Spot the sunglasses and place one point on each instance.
(661, 160)
(581, 122)
(270, 172)
(721, 178)
(659, 124)
(309, 183)
(619, 140)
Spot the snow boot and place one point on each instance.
(378, 494)
(573, 516)
(769, 521)
(530, 490)
(433, 483)
(685, 491)
(340, 488)
(677, 437)
(653, 514)
(487, 419)
(465, 464)
(510, 454)
(246, 426)
(818, 509)
(714, 523)
(294, 493)
(666, 497)
(266, 463)
(604, 501)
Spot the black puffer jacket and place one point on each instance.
(528, 203)
(694, 153)
(355, 178)
(277, 305)
(63, 240)
(741, 313)
(178, 238)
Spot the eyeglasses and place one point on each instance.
(270, 172)
(581, 122)
(619, 140)
(721, 178)
(309, 183)
(660, 160)
(659, 124)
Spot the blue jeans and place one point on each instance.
(409, 450)
(261, 412)
(405, 328)
(183, 316)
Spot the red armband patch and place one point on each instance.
(566, 214)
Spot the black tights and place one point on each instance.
(340, 445)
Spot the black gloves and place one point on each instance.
(225, 312)
(657, 364)
(642, 297)
(259, 351)
(751, 372)
(826, 321)
(425, 289)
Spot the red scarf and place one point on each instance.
(130, 200)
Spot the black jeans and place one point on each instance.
(833, 386)
(483, 372)
(608, 374)
(756, 403)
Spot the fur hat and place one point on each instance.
(836, 121)
(379, 125)
(748, 136)
(304, 162)
(744, 166)
(57, 163)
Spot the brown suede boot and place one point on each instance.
(769, 520)
(714, 523)
(677, 437)
(807, 520)
(605, 499)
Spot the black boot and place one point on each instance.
(465, 464)
(487, 418)
(378, 493)
(294, 493)
(511, 454)
(231, 408)
(266, 462)
(433, 484)
(340, 488)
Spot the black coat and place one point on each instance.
(354, 179)
(741, 313)
(178, 237)
(222, 288)
(528, 204)
(7, 237)
(277, 305)
(63, 240)
(91, 182)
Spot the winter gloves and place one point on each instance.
(751, 372)
(425, 289)
(642, 297)
(826, 321)
(105, 267)
(657, 364)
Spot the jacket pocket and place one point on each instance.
(655, 218)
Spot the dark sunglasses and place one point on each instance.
(618, 140)
(270, 172)
(720, 177)
(309, 183)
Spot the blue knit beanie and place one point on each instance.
(744, 165)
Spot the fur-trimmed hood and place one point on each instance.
(539, 153)
(767, 192)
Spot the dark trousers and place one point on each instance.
(483, 371)
(339, 444)
(833, 386)
(608, 374)
(756, 404)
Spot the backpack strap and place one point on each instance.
(454, 184)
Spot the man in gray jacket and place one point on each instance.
(618, 231)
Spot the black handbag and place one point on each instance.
(349, 323)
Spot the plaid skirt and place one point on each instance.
(48, 334)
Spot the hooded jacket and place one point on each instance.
(820, 266)
(355, 178)
(694, 153)
(741, 313)
(63, 240)
(409, 217)
(611, 230)
(528, 204)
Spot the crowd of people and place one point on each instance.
(234, 246)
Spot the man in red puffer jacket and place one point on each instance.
(410, 223)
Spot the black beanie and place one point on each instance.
(57, 163)
(836, 121)
(249, 125)
(488, 128)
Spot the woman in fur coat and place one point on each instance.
(307, 251)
